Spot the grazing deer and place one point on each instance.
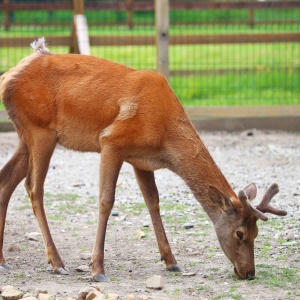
(86, 103)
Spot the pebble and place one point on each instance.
(115, 214)
(14, 247)
(155, 282)
(82, 268)
(188, 226)
(43, 296)
(140, 234)
(33, 236)
(86, 255)
(189, 274)
(10, 293)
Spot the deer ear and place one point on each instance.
(220, 200)
(251, 191)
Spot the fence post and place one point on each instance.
(80, 36)
(130, 12)
(6, 16)
(162, 36)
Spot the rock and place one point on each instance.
(189, 274)
(33, 236)
(140, 234)
(13, 247)
(143, 297)
(10, 293)
(43, 296)
(155, 282)
(112, 297)
(86, 255)
(146, 224)
(29, 298)
(188, 226)
(130, 297)
(115, 214)
(95, 294)
(82, 268)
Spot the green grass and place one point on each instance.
(209, 75)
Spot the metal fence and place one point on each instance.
(221, 53)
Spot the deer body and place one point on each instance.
(91, 104)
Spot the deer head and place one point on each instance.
(236, 227)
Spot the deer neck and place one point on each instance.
(194, 164)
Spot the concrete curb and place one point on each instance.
(217, 124)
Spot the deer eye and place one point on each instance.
(240, 235)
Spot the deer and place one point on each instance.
(91, 104)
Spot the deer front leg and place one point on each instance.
(109, 170)
(41, 150)
(10, 176)
(148, 187)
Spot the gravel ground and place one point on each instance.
(71, 204)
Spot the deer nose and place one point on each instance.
(251, 275)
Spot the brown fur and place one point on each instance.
(90, 104)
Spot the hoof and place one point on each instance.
(100, 278)
(62, 271)
(174, 268)
(5, 267)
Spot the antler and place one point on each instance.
(248, 208)
(264, 205)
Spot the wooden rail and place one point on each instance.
(150, 40)
(149, 5)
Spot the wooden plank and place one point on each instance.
(149, 5)
(162, 36)
(150, 40)
(243, 111)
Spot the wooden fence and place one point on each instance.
(80, 44)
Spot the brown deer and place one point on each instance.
(91, 104)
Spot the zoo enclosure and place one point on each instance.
(241, 57)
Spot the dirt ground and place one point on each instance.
(71, 203)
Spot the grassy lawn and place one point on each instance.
(236, 74)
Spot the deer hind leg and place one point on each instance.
(148, 188)
(41, 149)
(109, 171)
(10, 176)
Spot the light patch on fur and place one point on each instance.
(128, 109)
(39, 48)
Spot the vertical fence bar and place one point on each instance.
(162, 36)
(80, 36)
(6, 16)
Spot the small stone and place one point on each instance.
(143, 297)
(146, 224)
(95, 294)
(13, 247)
(189, 274)
(140, 234)
(43, 296)
(83, 293)
(82, 268)
(155, 282)
(112, 297)
(86, 255)
(250, 133)
(115, 214)
(33, 236)
(29, 298)
(188, 226)
(130, 297)
(10, 293)
(292, 243)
